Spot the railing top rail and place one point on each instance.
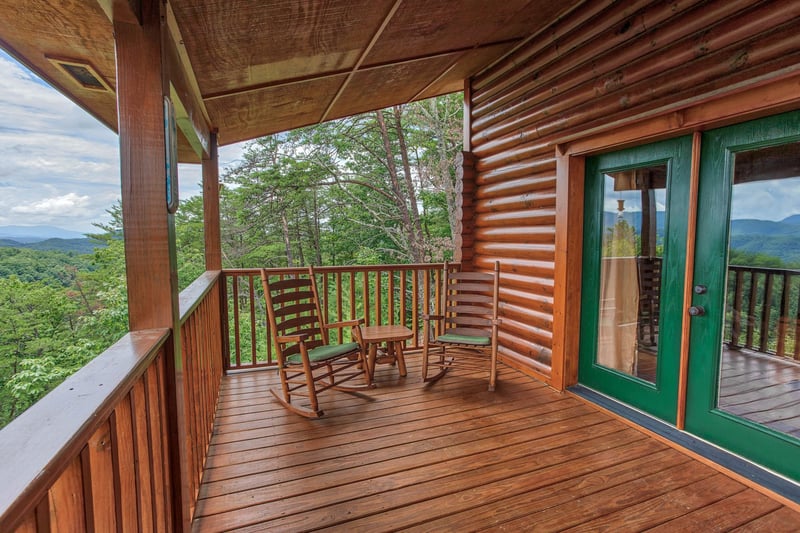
(339, 268)
(195, 293)
(39, 444)
(764, 270)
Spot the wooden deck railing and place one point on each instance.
(201, 345)
(764, 310)
(382, 294)
(96, 454)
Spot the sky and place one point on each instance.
(59, 166)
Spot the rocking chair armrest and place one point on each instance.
(299, 337)
(344, 324)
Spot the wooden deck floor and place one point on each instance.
(454, 457)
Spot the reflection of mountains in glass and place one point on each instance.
(775, 238)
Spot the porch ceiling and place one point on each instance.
(264, 66)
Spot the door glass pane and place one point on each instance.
(634, 214)
(759, 377)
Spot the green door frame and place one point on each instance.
(659, 398)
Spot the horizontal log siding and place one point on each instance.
(605, 65)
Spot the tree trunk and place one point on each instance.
(416, 227)
(399, 197)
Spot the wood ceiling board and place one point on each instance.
(254, 114)
(467, 65)
(394, 84)
(423, 27)
(532, 18)
(242, 43)
(73, 30)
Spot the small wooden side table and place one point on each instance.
(393, 336)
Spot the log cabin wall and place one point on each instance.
(607, 74)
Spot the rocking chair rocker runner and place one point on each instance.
(307, 364)
(469, 339)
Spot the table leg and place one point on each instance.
(401, 361)
(371, 359)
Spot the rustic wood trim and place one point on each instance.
(362, 57)
(691, 234)
(567, 277)
(743, 471)
(211, 218)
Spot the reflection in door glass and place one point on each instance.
(634, 213)
(760, 363)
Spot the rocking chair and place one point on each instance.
(469, 339)
(307, 364)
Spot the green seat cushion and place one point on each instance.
(323, 353)
(464, 339)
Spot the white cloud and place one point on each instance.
(57, 206)
(59, 166)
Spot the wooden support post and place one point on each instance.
(567, 282)
(148, 228)
(211, 207)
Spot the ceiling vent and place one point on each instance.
(81, 73)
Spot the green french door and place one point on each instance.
(744, 353)
(635, 221)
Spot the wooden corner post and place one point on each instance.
(150, 253)
(568, 261)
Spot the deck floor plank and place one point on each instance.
(452, 456)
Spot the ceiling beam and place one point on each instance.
(129, 11)
(191, 113)
(361, 59)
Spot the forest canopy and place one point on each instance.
(370, 189)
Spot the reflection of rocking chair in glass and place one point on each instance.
(649, 270)
(469, 303)
(307, 364)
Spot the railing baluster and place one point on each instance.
(390, 294)
(415, 305)
(736, 327)
(783, 321)
(352, 295)
(765, 313)
(402, 316)
(252, 296)
(365, 287)
(339, 316)
(751, 310)
(236, 332)
(378, 303)
(797, 330)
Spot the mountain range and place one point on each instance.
(779, 238)
(46, 238)
(29, 234)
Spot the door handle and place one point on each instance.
(697, 310)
